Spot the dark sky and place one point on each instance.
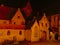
(48, 6)
(36, 4)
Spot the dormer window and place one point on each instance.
(18, 16)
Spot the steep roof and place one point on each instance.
(44, 18)
(5, 11)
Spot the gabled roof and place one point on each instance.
(7, 13)
(44, 18)
(18, 13)
(35, 24)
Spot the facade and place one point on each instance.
(14, 28)
(44, 27)
(54, 20)
(18, 18)
(59, 27)
(28, 34)
(35, 32)
(54, 24)
(39, 30)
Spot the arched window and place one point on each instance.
(8, 32)
(20, 32)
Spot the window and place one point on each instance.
(46, 24)
(18, 16)
(8, 32)
(20, 32)
(54, 19)
(14, 22)
(42, 24)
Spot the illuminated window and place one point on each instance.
(20, 32)
(8, 32)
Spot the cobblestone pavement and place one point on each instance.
(44, 43)
(39, 43)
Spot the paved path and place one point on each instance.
(41, 43)
(44, 43)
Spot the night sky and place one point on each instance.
(48, 6)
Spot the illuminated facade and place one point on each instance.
(44, 27)
(54, 24)
(35, 31)
(16, 28)
(13, 28)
